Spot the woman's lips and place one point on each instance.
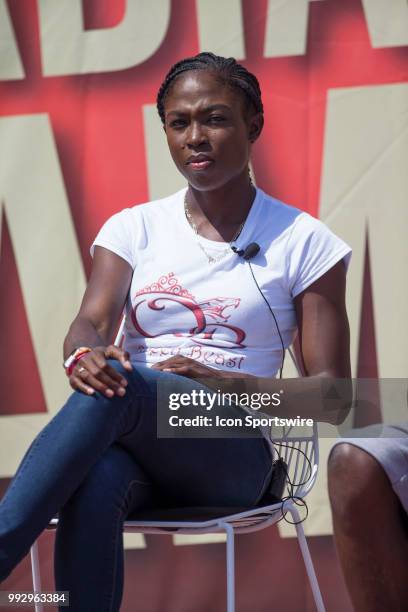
(200, 165)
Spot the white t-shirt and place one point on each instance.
(212, 312)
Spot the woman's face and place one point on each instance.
(208, 132)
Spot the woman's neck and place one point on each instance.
(224, 206)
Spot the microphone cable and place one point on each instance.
(274, 318)
(298, 501)
(248, 253)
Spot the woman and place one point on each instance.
(194, 309)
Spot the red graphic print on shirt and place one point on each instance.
(165, 307)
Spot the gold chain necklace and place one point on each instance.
(223, 253)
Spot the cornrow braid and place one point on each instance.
(226, 69)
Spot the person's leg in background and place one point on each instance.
(370, 530)
(89, 556)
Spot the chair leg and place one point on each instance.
(317, 596)
(35, 568)
(230, 567)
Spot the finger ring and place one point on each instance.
(81, 369)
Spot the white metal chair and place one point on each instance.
(301, 455)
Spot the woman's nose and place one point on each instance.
(196, 135)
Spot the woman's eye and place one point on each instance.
(177, 123)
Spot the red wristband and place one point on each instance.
(74, 358)
(73, 364)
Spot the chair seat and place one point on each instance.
(191, 513)
(195, 513)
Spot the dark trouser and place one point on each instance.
(99, 459)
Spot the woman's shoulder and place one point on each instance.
(279, 216)
(290, 217)
(152, 207)
(308, 246)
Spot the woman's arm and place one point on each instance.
(324, 340)
(324, 334)
(96, 323)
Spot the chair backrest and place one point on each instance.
(299, 448)
(120, 334)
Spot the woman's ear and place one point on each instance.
(255, 125)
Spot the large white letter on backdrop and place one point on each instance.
(365, 184)
(387, 22)
(10, 62)
(220, 27)
(44, 240)
(286, 27)
(66, 48)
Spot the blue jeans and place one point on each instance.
(97, 461)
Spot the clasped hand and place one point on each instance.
(94, 373)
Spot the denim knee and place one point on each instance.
(141, 379)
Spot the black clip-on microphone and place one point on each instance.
(249, 252)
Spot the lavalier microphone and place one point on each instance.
(249, 252)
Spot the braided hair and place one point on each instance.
(227, 70)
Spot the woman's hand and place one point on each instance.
(183, 366)
(93, 373)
